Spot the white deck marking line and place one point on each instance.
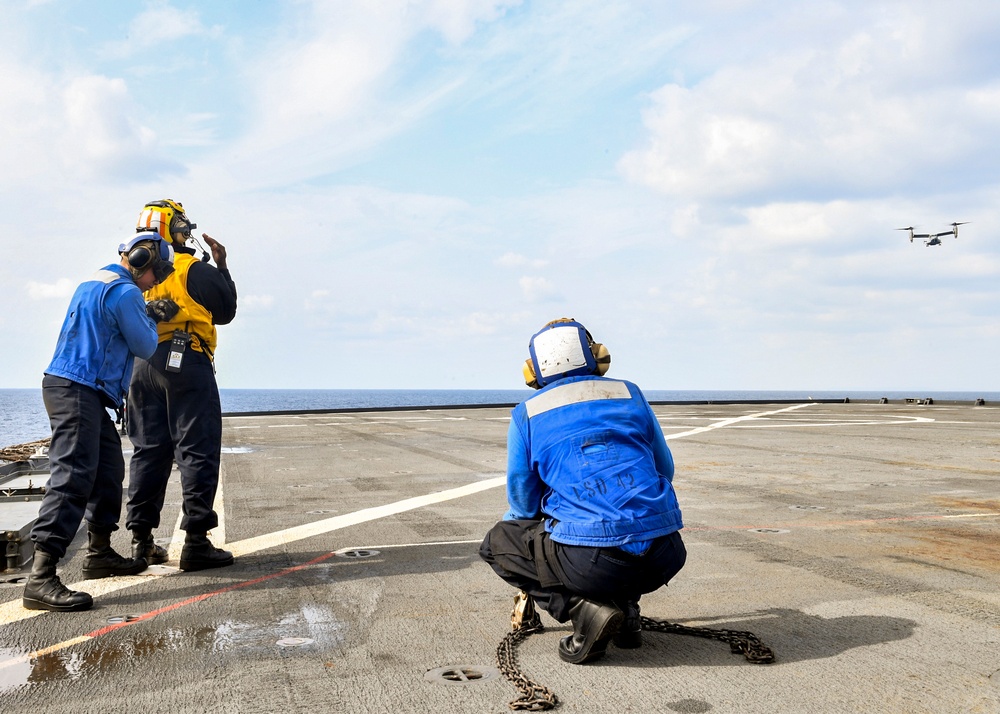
(218, 533)
(308, 530)
(800, 425)
(728, 422)
(406, 545)
(176, 539)
(13, 611)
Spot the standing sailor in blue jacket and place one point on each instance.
(107, 323)
(593, 521)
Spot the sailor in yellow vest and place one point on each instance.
(174, 414)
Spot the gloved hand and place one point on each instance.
(162, 310)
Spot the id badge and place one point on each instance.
(177, 346)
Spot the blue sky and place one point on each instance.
(408, 190)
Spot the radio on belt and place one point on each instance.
(177, 346)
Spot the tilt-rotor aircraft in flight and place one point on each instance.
(933, 238)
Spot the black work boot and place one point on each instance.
(143, 546)
(102, 561)
(594, 624)
(45, 591)
(629, 635)
(198, 553)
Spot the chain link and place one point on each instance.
(537, 697)
(524, 621)
(739, 641)
(534, 697)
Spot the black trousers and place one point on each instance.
(174, 416)
(524, 555)
(86, 466)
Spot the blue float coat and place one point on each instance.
(588, 455)
(106, 324)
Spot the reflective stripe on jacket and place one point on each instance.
(105, 325)
(588, 454)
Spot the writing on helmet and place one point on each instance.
(563, 348)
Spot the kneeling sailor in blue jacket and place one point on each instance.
(593, 521)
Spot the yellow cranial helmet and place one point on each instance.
(167, 218)
(563, 348)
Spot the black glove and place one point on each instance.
(162, 310)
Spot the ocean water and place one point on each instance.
(23, 418)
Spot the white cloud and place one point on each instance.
(62, 288)
(536, 289)
(456, 20)
(336, 81)
(256, 301)
(161, 23)
(86, 125)
(421, 185)
(27, 107)
(820, 118)
(101, 132)
(516, 260)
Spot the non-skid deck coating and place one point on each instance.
(860, 541)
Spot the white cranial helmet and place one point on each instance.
(563, 348)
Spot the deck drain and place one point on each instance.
(461, 674)
(118, 619)
(14, 581)
(769, 530)
(357, 553)
(807, 508)
(294, 642)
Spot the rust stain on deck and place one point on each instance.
(954, 543)
(974, 542)
(969, 545)
(981, 505)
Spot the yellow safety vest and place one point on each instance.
(192, 317)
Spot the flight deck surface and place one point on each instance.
(860, 541)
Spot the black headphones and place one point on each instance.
(140, 257)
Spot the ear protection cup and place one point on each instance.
(528, 370)
(148, 251)
(602, 357)
(140, 256)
